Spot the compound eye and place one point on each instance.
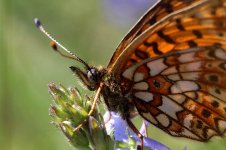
(92, 74)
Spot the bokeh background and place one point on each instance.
(90, 28)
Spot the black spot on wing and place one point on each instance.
(132, 60)
(152, 20)
(220, 24)
(168, 7)
(192, 44)
(215, 103)
(221, 34)
(141, 54)
(199, 124)
(217, 91)
(197, 33)
(179, 25)
(213, 78)
(154, 45)
(165, 37)
(206, 113)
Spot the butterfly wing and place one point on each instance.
(199, 24)
(177, 67)
(158, 12)
(184, 93)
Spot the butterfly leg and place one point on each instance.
(132, 126)
(92, 107)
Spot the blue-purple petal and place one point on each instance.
(144, 127)
(120, 127)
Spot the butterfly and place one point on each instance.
(170, 69)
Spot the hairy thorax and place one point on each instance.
(117, 96)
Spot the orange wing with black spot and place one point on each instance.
(174, 61)
(198, 23)
(161, 10)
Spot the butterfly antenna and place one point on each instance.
(55, 43)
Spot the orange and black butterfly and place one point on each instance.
(170, 68)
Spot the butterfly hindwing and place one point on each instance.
(183, 93)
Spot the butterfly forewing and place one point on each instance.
(153, 16)
(174, 64)
(186, 24)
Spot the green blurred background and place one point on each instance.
(27, 65)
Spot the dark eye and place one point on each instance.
(92, 75)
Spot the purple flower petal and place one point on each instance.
(144, 127)
(120, 127)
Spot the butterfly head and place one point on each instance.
(91, 77)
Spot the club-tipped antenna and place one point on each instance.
(55, 43)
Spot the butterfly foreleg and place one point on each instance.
(92, 108)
